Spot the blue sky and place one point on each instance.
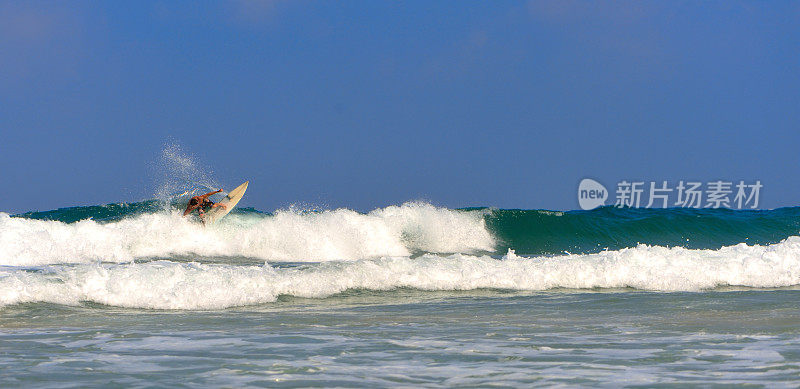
(365, 104)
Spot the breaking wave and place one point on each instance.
(287, 235)
(166, 284)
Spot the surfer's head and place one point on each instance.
(193, 201)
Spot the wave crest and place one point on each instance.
(289, 235)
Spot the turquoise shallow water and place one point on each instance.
(411, 338)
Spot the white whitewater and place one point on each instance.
(174, 285)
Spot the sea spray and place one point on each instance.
(178, 174)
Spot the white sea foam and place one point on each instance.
(289, 235)
(171, 285)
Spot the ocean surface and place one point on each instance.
(135, 295)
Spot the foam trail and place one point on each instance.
(169, 285)
(287, 236)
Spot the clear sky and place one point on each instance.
(365, 104)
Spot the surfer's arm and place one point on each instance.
(205, 196)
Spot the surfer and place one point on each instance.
(201, 202)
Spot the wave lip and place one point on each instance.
(170, 285)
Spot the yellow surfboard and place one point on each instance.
(230, 201)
